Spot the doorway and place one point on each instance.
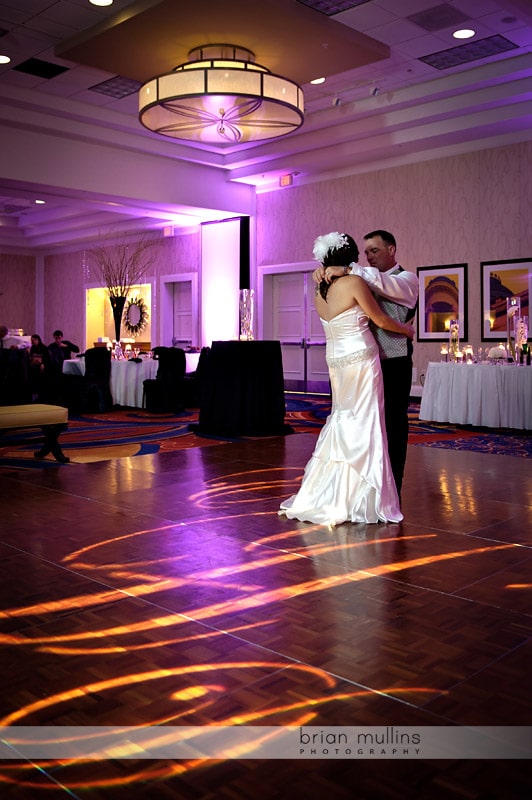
(179, 323)
(290, 317)
(99, 321)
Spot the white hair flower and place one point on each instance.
(330, 241)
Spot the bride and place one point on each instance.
(348, 477)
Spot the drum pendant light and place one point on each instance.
(221, 97)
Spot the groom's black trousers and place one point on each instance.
(397, 380)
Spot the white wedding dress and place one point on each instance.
(348, 477)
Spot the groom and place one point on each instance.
(396, 291)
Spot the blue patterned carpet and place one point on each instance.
(133, 432)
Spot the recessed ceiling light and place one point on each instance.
(40, 202)
(464, 33)
(4, 59)
(101, 2)
(318, 80)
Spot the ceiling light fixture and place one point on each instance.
(464, 33)
(4, 59)
(221, 97)
(101, 2)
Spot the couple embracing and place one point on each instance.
(356, 470)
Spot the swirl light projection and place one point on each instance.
(161, 655)
(221, 97)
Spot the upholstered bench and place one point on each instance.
(51, 419)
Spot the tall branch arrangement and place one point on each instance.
(121, 265)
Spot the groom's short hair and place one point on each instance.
(386, 236)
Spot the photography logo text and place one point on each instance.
(355, 742)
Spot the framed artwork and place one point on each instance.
(500, 280)
(442, 297)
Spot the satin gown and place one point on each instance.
(348, 477)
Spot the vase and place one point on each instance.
(117, 304)
(246, 309)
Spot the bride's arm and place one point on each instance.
(369, 306)
(402, 288)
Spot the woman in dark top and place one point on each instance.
(39, 368)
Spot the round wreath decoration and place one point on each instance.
(136, 316)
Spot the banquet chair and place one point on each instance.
(90, 393)
(164, 393)
(14, 377)
(98, 379)
(194, 381)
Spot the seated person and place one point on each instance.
(39, 368)
(61, 350)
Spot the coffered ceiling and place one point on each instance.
(398, 89)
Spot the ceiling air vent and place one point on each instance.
(438, 18)
(331, 7)
(465, 53)
(11, 208)
(40, 69)
(116, 87)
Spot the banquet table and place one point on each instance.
(127, 377)
(485, 395)
(244, 390)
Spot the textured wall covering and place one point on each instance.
(178, 254)
(469, 208)
(64, 297)
(17, 292)
(66, 279)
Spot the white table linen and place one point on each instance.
(485, 395)
(127, 378)
(18, 342)
(192, 361)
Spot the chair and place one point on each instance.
(164, 393)
(90, 393)
(193, 383)
(98, 395)
(14, 377)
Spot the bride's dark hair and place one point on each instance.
(334, 249)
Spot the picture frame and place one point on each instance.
(500, 280)
(442, 297)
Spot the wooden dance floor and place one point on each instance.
(166, 590)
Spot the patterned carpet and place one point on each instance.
(133, 432)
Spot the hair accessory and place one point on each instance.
(330, 241)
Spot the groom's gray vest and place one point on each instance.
(393, 345)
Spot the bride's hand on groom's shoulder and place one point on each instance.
(318, 274)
